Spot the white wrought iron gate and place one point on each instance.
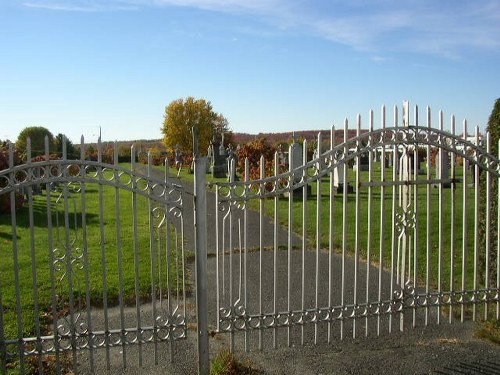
(92, 261)
(379, 231)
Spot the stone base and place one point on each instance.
(340, 189)
(218, 171)
(299, 193)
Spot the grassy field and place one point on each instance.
(113, 256)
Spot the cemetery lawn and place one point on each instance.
(441, 248)
(369, 244)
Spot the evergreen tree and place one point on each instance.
(493, 129)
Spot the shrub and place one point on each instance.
(253, 151)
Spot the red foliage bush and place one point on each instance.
(253, 151)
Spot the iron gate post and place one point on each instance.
(200, 225)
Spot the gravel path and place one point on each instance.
(441, 349)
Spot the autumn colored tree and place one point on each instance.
(182, 115)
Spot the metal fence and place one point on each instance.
(382, 229)
(94, 260)
(382, 232)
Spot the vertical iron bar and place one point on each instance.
(168, 258)
(428, 226)
(369, 216)
(52, 266)
(136, 245)
(416, 210)
(382, 220)
(356, 225)
(395, 159)
(102, 239)
(245, 244)
(344, 224)
(291, 184)
(318, 230)
(183, 275)
(217, 251)
(200, 224)
(275, 252)
(152, 254)
(487, 231)
(119, 256)
(86, 265)
(231, 249)
(15, 253)
(452, 226)
(440, 218)
(464, 227)
(476, 228)
(34, 284)
(330, 231)
(261, 238)
(304, 237)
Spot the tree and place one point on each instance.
(183, 115)
(494, 129)
(70, 148)
(37, 136)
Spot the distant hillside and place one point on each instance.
(242, 138)
(310, 135)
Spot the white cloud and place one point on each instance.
(80, 6)
(421, 26)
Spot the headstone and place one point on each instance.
(442, 169)
(339, 180)
(210, 157)
(364, 163)
(231, 161)
(218, 166)
(296, 160)
(388, 160)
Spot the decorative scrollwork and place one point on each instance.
(405, 221)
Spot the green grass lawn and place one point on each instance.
(100, 247)
(439, 254)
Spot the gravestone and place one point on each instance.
(364, 163)
(218, 166)
(339, 180)
(296, 160)
(443, 169)
(231, 162)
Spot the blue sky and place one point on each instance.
(267, 65)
